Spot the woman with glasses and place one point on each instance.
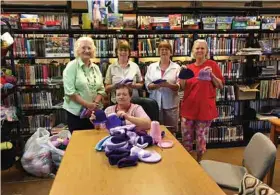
(123, 71)
(83, 85)
(165, 91)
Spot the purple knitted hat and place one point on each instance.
(204, 75)
(100, 117)
(186, 73)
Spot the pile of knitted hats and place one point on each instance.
(125, 145)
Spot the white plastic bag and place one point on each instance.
(36, 159)
(57, 154)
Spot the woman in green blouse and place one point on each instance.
(83, 85)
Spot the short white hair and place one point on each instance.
(78, 44)
(194, 45)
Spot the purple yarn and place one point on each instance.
(204, 75)
(128, 162)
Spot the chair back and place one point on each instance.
(259, 155)
(149, 105)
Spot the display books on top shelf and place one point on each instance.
(12, 19)
(115, 21)
(175, 21)
(129, 21)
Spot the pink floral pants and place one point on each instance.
(201, 128)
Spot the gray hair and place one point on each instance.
(77, 46)
(197, 42)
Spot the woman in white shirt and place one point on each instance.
(121, 70)
(166, 92)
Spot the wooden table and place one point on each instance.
(274, 133)
(84, 171)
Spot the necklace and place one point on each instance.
(118, 109)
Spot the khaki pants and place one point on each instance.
(169, 118)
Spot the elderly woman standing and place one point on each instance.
(165, 93)
(123, 69)
(198, 107)
(83, 85)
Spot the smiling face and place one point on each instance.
(200, 50)
(123, 53)
(164, 53)
(123, 96)
(164, 50)
(85, 51)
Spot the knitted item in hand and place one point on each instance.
(186, 73)
(127, 81)
(100, 117)
(113, 121)
(204, 75)
(158, 81)
(128, 161)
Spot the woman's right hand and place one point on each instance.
(154, 86)
(91, 106)
(92, 117)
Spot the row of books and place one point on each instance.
(270, 89)
(149, 47)
(223, 134)
(8, 101)
(190, 21)
(231, 69)
(32, 74)
(29, 124)
(41, 46)
(128, 21)
(104, 47)
(271, 39)
(40, 100)
(226, 93)
(37, 21)
(260, 125)
(46, 45)
(259, 105)
(224, 45)
(225, 113)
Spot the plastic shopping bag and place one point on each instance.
(36, 159)
(57, 144)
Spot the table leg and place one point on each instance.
(273, 138)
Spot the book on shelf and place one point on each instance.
(209, 23)
(190, 21)
(75, 23)
(224, 22)
(129, 21)
(115, 21)
(12, 19)
(86, 22)
(175, 21)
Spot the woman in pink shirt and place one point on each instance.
(132, 113)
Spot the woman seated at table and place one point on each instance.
(132, 113)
